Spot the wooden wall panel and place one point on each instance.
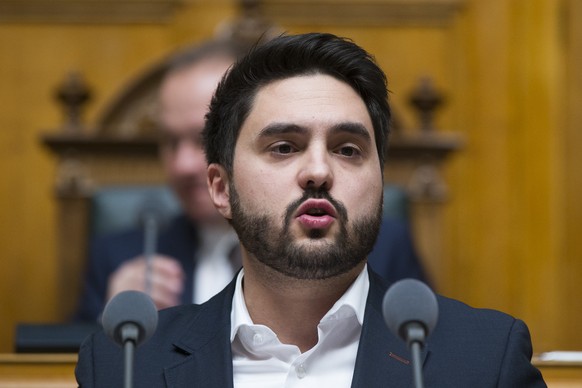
(570, 326)
(35, 59)
(505, 212)
(509, 69)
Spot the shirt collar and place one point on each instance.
(239, 315)
(353, 301)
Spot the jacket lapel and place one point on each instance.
(206, 344)
(383, 359)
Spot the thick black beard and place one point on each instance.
(258, 234)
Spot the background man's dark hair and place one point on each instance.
(191, 55)
(284, 57)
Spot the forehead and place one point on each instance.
(185, 94)
(312, 101)
(194, 83)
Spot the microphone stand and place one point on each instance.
(415, 339)
(129, 319)
(410, 310)
(150, 234)
(129, 334)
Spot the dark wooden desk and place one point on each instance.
(58, 371)
(561, 374)
(37, 370)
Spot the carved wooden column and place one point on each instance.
(416, 162)
(72, 187)
(86, 162)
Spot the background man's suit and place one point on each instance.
(468, 348)
(394, 258)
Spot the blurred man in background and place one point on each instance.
(197, 252)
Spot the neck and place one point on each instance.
(291, 307)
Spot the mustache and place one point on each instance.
(311, 193)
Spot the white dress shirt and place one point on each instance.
(260, 360)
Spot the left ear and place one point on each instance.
(219, 189)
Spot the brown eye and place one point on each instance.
(348, 151)
(283, 148)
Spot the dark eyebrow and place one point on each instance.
(275, 129)
(347, 127)
(352, 128)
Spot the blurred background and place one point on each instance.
(487, 97)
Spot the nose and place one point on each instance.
(189, 159)
(316, 171)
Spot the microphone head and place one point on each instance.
(407, 301)
(133, 307)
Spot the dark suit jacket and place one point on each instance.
(393, 257)
(191, 348)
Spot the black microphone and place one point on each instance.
(410, 310)
(130, 318)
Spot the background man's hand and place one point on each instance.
(167, 279)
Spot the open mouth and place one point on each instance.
(316, 214)
(316, 208)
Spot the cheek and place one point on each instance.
(261, 191)
(167, 159)
(366, 195)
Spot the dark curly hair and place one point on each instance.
(289, 56)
